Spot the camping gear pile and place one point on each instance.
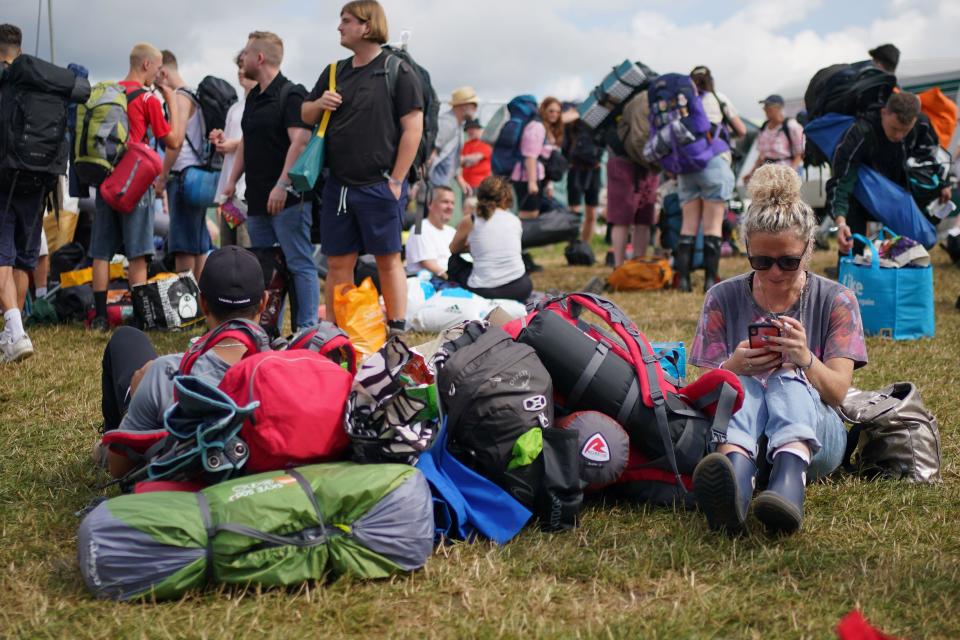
(360, 471)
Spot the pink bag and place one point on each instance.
(130, 179)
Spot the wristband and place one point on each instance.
(392, 180)
(808, 365)
(283, 184)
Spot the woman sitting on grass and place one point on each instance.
(492, 236)
(793, 380)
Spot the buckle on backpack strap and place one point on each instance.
(718, 437)
(656, 395)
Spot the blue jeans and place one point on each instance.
(788, 409)
(291, 230)
(188, 224)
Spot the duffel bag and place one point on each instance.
(272, 529)
(550, 227)
(132, 177)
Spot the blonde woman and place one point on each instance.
(792, 380)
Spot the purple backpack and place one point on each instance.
(682, 139)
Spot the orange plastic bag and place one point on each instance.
(641, 274)
(357, 310)
(942, 112)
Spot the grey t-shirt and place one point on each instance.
(828, 311)
(449, 144)
(155, 393)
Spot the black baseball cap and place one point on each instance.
(232, 278)
(773, 99)
(887, 54)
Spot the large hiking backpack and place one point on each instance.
(102, 131)
(506, 149)
(848, 89)
(682, 139)
(273, 529)
(498, 399)
(34, 96)
(431, 104)
(633, 129)
(620, 376)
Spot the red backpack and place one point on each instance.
(670, 428)
(329, 341)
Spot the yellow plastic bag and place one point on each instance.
(85, 276)
(357, 310)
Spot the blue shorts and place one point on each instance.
(113, 231)
(21, 221)
(361, 219)
(188, 224)
(714, 183)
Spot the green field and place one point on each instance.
(889, 548)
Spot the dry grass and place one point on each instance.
(889, 548)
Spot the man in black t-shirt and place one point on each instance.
(372, 138)
(274, 136)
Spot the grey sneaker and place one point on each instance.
(15, 350)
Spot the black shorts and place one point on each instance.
(583, 186)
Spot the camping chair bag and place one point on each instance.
(272, 529)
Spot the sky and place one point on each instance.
(506, 47)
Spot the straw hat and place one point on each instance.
(464, 95)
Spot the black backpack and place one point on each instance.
(214, 97)
(431, 104)
(579, 253)
(34, 96)
(849, 89)
(493, 391)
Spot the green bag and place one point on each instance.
(102, 131)
(303, 176)
(271, 529)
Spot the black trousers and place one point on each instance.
(128, 350)
(459, 271)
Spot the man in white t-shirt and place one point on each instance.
(430, 249)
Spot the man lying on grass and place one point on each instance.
(138, 385)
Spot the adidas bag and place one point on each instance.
(274, 529)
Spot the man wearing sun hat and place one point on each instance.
(445, 162)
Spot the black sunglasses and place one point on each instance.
(786, 263)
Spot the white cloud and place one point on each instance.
(506, 47)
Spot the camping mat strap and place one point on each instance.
(308, 489)
(211, 532)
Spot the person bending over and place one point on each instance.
(138, 386)
(793, 381)
(492, 236)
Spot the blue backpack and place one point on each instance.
(682, 139)
(506, 150)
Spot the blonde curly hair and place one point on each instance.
(776, 205)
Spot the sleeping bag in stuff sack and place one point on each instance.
(272, 529)
(621, 377)
(550, 227)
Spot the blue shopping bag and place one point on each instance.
(894, 206)
(897, 303)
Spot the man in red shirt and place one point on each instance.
(475, 156)
(133, 230)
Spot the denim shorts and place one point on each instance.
(361, 219)
(714, 183)
(188, 224)
(132, 232)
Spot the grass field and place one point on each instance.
(889, 548)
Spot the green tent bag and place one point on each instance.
(303, 176)
(272, 529)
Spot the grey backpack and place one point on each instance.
(894, 435)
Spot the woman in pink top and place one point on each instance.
(540, 137)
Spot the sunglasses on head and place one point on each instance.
(786, 263)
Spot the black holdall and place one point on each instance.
(493, 391)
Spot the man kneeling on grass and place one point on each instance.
(138, 385)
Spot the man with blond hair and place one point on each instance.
(274, 136)
(372, 140)
(134, 229)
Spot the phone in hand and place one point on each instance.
(755, 333)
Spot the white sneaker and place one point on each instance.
(15, 350)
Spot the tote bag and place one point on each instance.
(306, 170)
(897, 303)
